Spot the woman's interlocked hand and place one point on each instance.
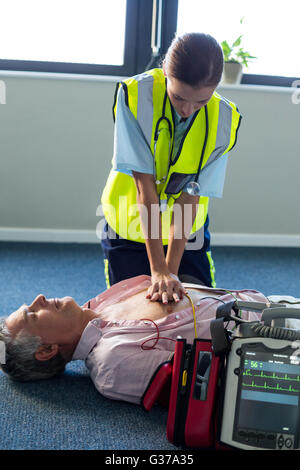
(165, 288)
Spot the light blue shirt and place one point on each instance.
(132, 152)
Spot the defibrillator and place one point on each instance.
(260, 406)
(239, 390)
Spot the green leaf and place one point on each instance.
(235, 52)
(237, 42)
(226, 49)
(225, 46)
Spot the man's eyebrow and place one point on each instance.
(25, 312)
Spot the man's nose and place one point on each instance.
(40, 301)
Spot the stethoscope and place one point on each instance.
(193, 187)
(156, 135)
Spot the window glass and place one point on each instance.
(270, 30)
(73, 31)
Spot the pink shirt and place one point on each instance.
(119, 366)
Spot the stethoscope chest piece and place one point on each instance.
(193, 188)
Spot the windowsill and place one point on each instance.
(114, 79)
(264, 88)
(60, 76)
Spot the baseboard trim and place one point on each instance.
(89, 236)
(48, 235)
(255, 239)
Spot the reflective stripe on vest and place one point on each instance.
(211, 134)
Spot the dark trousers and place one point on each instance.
(125, 259)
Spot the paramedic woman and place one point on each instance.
(172, 136)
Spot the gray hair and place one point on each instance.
(20, 362)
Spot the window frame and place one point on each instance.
(137, 49)
(247, 78)
(268, 80)
(90, 69)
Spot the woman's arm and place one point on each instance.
(182, 222)
(164, 286)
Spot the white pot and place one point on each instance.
(232, 72)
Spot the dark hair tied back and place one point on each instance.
(195, 59)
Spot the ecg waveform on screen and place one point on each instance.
(264, 385)
(251, 373)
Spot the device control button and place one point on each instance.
(288, 442)
(280, 441)
(243, 435)
(237, 371)
(239, 351)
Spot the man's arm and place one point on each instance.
(125, 372)
(164, 286)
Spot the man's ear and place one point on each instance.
(46, 352)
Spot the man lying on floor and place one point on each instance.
(121, 335)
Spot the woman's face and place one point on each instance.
(187, 99)
(54, 320)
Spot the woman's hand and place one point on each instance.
(165, 288)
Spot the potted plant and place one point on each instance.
(235, 57)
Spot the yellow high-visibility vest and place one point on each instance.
(211, 133)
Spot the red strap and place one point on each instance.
(158, 385)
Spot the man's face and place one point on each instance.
(187, 99)
(54, 320)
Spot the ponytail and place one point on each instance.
(195, 59)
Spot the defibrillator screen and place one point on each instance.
(269, 389)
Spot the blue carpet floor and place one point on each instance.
(67, 413)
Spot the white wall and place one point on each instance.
(260, 204)
(56, 143)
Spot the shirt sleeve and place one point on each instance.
(131, 376)
(212, 178)
(131, 150)
(123, 371)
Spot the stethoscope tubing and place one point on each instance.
(157, 132)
